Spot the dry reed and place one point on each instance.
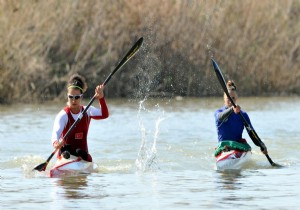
(256, 43)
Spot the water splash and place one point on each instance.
(26, 164)
(147, 156)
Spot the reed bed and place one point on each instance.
(256, 43)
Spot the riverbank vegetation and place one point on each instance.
(256, 43)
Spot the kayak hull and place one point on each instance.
(70, 167)
(233, 159)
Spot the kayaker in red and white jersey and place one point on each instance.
(229, 124)
(76, 142)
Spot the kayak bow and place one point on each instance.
(233, 159)
(71, 167)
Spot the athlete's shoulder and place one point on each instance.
(221, 109)
(244, 112)
(62, 113)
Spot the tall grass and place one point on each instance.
(256, 43)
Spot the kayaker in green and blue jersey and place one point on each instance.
(229, 124)
(76, 142)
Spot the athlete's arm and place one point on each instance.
(97, 113)
(222, 116)
(60, 122)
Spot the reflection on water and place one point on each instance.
(78, 189)
(229, 184)
(74, 186)
(229, 179)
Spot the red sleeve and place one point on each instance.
(104, 109)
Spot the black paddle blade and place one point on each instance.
(222, 80)
(272, 163)
(133, 50)
(41, 167)
(277, 165)
(219, 73)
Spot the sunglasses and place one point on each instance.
(74, 97)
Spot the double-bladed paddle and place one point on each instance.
(128, 56)
(253, 135)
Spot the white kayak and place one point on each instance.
(72, 166)
(233, 159)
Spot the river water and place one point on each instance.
(152, 154)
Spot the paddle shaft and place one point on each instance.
(253, 135)
(127, 57)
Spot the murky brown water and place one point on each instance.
(155, 154)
